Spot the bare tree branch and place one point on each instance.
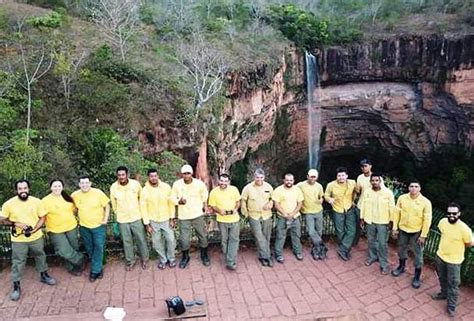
(205, 64)
(118, 19)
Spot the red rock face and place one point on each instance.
(394, 94)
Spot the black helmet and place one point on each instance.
(176, 304)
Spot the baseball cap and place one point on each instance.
(186, 169)
(312, 172)
(365, 161)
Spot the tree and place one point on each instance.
(118, 19)
(67, 68)
(206, 65)
(31, 64)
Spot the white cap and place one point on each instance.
(312, 172)
(186, 169)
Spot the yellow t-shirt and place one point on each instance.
(195, 194)
(313, 194)
(254, 198)
(363, 184)
(288, 198)
(155, 203)
(27, 212)
(377, 206)
(125, 201)
(59, 214)
(413, 215)
(342, 194)
(453, 239)
(225, 199)
(91, 207)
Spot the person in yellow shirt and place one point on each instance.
(312, 212)
(377, 205)
(411, 224)
(125, 199)
(93, 209)
(288, 200)
(158, 213)
(456, 236)
(26, 216)
(61, 224)
(341, 193)
(256, 204)
(190, 194)
(362, 183)
(225, 202)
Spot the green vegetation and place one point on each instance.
(52, 21)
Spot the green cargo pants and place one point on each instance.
(262, 233)
(134, 231)
(282, 227)
(66, 245)
(20, 254)
(377, 239)
(230, 237)
(345, 225)
(449, 276)
(185, 229)
(410, 239)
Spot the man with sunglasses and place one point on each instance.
(411, 224)
(455, 237)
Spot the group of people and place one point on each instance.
(157, 208)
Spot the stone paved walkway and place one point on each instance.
(306, 290)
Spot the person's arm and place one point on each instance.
(299, 204)
(427, 216)
(113, 200)
(328, 194)
(391, 208)
(39, 224)
(280, 210)
(243, 202)
(106, 214)
(144, 210)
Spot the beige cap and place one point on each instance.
(186, 169)
(312, 172)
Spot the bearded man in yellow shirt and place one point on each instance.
(225, 202)
(26, 216)
(341, 193)
(93, 209)
(377, 205)
(456, 236)
(125, 196)
(158, 213)
(411, 224)
(288, 200)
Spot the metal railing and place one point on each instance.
(113, 242)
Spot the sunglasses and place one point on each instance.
(452, 213)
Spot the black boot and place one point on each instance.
(416, 282)
(16, 291)
(400, 269)
(204, 257)
(184, 259)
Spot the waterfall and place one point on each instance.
(314, 110)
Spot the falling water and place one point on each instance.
(314, 110)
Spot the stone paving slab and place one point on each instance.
(303, 290)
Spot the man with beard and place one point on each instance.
(411, 224)
(190, 194)
(341, 193)
(158, 213)
(377, 205)
(93, 209)
(125, 196)
(312, 211)
(257, 205)
(26, 216)
(288, 200)
(455, 237)
(225, 202)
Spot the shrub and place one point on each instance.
(299, 26)
(52, 20)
